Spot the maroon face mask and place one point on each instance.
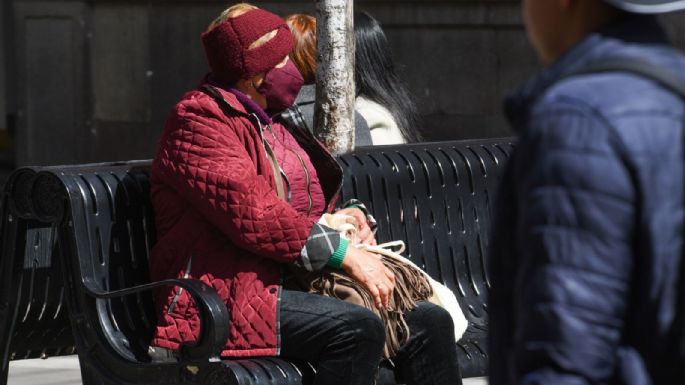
(280, 87)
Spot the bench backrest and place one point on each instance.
(437, 198)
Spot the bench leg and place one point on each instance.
(88, 376)
(3, 375)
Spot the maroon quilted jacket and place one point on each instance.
(220, 219)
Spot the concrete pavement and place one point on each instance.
(53, 371)
(65, 371)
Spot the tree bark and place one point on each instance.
(334, 108)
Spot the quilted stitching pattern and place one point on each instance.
(215, 166)
(207, 165)
(287, 151)
(250, 323)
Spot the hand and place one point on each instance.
(364, 231)
(368, 270)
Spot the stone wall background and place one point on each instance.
(94, 80)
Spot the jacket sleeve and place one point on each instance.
(208, 165)
(575, 227)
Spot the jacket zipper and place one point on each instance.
(186, 274)
(265, 143)
(304, 167)
(335, 164)
(215, 94)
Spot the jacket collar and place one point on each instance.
(607, 42)
(237, 100)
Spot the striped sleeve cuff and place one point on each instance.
(322, 243)
(337, 258)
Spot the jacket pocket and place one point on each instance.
(186, 274)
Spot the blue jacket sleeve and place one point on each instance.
(574, 225)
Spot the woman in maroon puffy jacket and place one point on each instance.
(237, 198)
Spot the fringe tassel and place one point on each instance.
(411, 286)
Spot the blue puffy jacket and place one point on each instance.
(586, 250)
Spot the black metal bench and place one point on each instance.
(34, 321)
(93, 227)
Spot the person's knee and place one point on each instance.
(440, 316)
(364, 325)
(356, 348)
(360, 327)
(428, 316)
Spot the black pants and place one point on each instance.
(345, 341)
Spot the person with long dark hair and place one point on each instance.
(382, 98)
(303, 55)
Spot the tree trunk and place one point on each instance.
(334, 108)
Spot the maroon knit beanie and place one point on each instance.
(226, 45)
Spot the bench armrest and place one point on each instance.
(214, 317)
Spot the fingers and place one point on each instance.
(385, 292)
(385, 285)
(382, 298)
(366, 236)
(391, 278)
(360, 217)
(367, 269)
(365, 233)
(352, 221)
(353, 212)
(375, 292)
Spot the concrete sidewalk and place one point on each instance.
(65, 371)
(53, 371)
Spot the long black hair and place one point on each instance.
(375, 77)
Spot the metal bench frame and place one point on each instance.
(80, 235)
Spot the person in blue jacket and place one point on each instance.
(586, 251)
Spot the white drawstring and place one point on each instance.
(442, 295)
